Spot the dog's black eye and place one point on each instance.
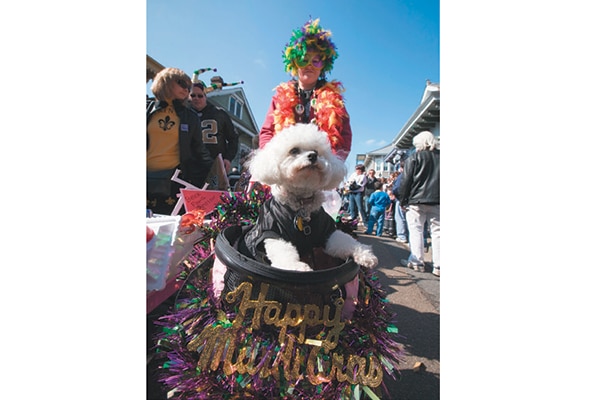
(294, 151)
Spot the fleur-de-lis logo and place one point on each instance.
(166, 124)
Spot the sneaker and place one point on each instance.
(436, 271)
(401, 240)
(416, 267)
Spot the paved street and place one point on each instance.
(415, 298)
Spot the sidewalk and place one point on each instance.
(415, 298)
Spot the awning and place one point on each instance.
(426, 117)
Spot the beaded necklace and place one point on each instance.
(302, 108)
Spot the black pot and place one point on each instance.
(319, 287)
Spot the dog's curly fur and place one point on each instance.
(299, 165)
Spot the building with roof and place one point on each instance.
(152, 68)
(426, 117)
(376, 160)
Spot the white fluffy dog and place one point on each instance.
(299, 165)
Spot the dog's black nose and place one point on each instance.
(312, 156)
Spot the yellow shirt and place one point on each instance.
(163, 132)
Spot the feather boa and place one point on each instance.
(329, 109)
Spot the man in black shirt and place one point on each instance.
(218, 133)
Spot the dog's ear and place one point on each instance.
(264, 166)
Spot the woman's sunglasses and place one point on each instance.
(183, 84)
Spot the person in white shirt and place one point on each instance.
(356, 190)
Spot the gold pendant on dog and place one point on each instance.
(299, 224)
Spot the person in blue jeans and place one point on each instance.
(379, 201)
(369, 189)
(400, 213)
(356, 190)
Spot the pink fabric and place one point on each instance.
(218, 276)
(351, 298)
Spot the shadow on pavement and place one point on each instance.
(412, 385)
(421, 332)
(409, 294)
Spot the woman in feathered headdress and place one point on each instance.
(309, 97)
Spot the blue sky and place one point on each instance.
(387, 50)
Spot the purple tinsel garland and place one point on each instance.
(369, 332)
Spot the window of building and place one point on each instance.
(235, 107)
(377, 164)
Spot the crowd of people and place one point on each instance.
(357, 202)
(405, 206)
(183, 133)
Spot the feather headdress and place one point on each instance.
(311, 36)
